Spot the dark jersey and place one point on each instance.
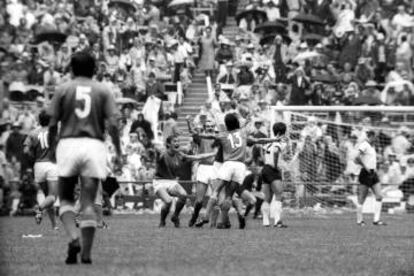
(171, 166)
(234, 145)
(37, 143)
(219, 156)
(82, 106)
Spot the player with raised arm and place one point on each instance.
(272, 177)
(83, 107)
(37, 147)
(206, 171)
(234, 142)
(169, 165)
(368, 178)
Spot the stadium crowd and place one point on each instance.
(285, 52)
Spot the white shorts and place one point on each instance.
(81, 157)
(171, 186)
(206, 174)
(232, 171)
(45, 171)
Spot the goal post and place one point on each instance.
(323, 145)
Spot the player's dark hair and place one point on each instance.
(370, 133)
(169, 140)
(279, 128)
(44, 118)
(232, 122)
(82, 64)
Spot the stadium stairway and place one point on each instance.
(197, 94)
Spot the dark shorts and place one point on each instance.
(270, 174)
(368, 178)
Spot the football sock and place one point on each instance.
(99, 214)
(266, 213)
(51, 213)
(197, 209)
(359, 213)
(210, 204)
(258, 206)
(68, 221)
(88, 234)
(248, 208)
(214, 216)
(377, 210)
(165, 210)
(276, 211)
(179, 206)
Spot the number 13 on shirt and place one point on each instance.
(235, 140)
(83, 96)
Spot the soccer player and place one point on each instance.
(206, 171)
(368, 178)
(234, 141)
(83, 107)
(37, 147)
(169, 165)
(272, 177)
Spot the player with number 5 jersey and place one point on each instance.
(83, 107)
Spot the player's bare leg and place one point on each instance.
(67, 213)
(201, 189)
(266, 204)
(276, 212)
(376, 189)
(181, 194)
(362, 195)
(167, 199)
(88, 223)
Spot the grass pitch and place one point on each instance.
(332, 245)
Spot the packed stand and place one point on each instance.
(145, 53)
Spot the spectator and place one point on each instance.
(208, 44)
(300, 84)
(14, 144)
(170, 126)
(154, 88)
(144, 125)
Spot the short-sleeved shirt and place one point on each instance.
(368, 155)
(38, 143)
(273, 151)
(234, 145)
(82, 105)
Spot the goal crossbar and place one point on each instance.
(340, 108)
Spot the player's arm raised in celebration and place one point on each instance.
(198, 157)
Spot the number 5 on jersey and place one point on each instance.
(235, 140)
(83, 99)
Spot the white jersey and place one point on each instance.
(273, 151)
(368, 155)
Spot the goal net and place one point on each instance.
(319, 167)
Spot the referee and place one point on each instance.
(368, 178)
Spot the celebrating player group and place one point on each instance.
(69, 150)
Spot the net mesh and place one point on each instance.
(319, 167)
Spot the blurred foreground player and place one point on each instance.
(36, 146)
(170, 163)
(82, 107)
(368, 178)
